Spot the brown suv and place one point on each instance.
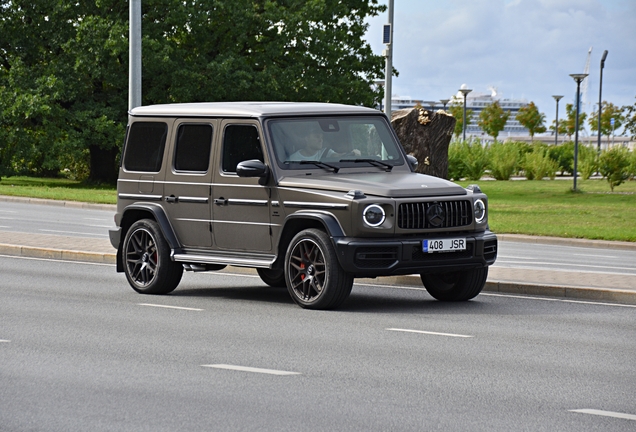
(311, 195)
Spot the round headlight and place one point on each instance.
(374, 215)
(480, 211)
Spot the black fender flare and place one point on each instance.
(329, 221)
(158, 214)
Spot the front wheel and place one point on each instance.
(455, 286)
(313, 274)
(147, 262)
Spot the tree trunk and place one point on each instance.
(426, 137)
(103, 166)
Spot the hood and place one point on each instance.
(390, 185)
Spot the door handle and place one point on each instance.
(220, 201)
(172, 199)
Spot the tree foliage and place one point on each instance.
(530, 118)
(64, 67)
(492, 119)
(457, 111)
(609, 112)
(630, 119)
(569, 122)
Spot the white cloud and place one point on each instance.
(526, 48)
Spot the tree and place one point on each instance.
(492, 119)
(609, 112)
(630, 119)
(569, 122)
(64, 67)
(530, 118)
(457, 110)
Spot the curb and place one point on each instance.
(552, 291)
(58, 203)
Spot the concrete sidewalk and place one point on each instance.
(549, 283)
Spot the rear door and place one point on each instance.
(187, 185)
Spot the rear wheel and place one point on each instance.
(272, 277)
(455, 286)
(314, 277)
(147, 262)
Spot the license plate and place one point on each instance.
(444, 245)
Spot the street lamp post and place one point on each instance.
(578, 78)
(387, 38)
(444, 102)
(134, 73)
(465, 93)
(556, 127)
(600, 106)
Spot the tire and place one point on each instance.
(313, 274)
(455, 286)
(147, 262)
(273, 277)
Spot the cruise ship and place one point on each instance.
(476, 102)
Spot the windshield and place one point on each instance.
(328, 142)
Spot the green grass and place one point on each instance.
(58, 189)
(550, 208)
(539, 207)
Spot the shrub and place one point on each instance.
(632, 164)
(456, 169)
(588, 161)
(504, 160)
(614, 165)
(475, 159)
(564, 156)
(538, 164)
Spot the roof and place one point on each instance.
(247, 109)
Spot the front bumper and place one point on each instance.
(372, 257)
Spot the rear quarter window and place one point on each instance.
(145, 146)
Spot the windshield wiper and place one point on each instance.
(326, 166)
(373, 162)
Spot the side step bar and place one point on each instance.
(248, 261)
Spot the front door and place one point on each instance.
(241, 206)
(188, 182)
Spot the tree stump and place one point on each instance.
(426, 137)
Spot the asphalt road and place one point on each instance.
(90, 223)
(79, 350)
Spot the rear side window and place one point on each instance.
(240, 143)
(193, 148)
(144, 149)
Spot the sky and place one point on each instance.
(525, 48)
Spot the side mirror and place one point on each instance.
(412, 161)
(253, 168)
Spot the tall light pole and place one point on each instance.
(556, 127)
(388, 53)
(600, 105)
(465, 93)
(444, 102)
(134, 54)
(578, 78)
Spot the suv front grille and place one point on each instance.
(416, 215)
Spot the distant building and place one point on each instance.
(477, 102)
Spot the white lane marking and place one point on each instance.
(511, 263)
(57, 260)
(4, 340)
(4, 226)
(7, 218)
(587, 302)
(250, 369)
(74, 232)
(605, 413)
(96, 219)
(429, 333)
(169, 307)
(7, 211)
(596, 256)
